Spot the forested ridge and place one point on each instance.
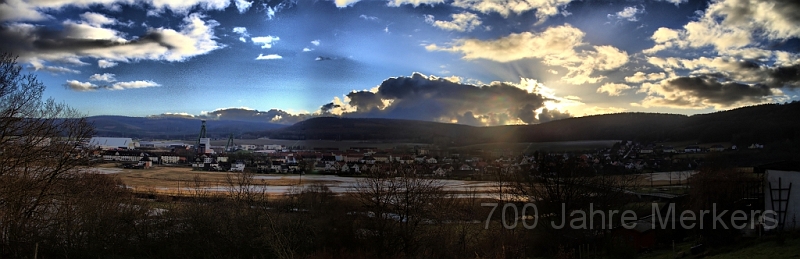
(760, 123)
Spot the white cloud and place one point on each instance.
(133, 84)
(105, 77)
(675, 2)
(102, 63)
(271, 12)
(368, 18)
(460, 22)
(394, 3)
(32, 10)
(243, 5)
(315, 42)
(544, 8)
(81, 40)
(307, 49)
(59, 70)
(613, 89)
(556, 46)
(96, 19)
(265, 41)
(729, 25)
(242, 31)
(777, 20)
(87, 86)
(184, 6)
(20, 10)
(80, 86)
(415, 3)
(628, 13)
(639, 77)
(345, 3)
(269, 56)
(38, 65)
(554, 43)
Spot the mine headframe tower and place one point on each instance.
(200, 146)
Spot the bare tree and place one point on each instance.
(397, 206)
(40, 148)
(565, 190)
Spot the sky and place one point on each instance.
(475, 62)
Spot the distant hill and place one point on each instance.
(335, 128)
(761, 123)
(173, 128)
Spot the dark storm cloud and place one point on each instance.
(713, 91)
(469, 119)
(365, 101)
(754, 72)
(437, 99)
(784, 76)
(527, 114)
(326, 108)
(552, 115)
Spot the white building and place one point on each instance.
(205, 146)
(170, 158)
(237, 167)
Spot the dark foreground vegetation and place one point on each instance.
(395, 215)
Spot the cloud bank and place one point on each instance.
(431, 98)
(560, 46)
(428, 98)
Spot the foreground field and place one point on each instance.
(177, 180)
(164, 179)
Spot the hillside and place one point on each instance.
(762, 123)
(335, 128)
(171, 128)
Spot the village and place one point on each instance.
(625, 156)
